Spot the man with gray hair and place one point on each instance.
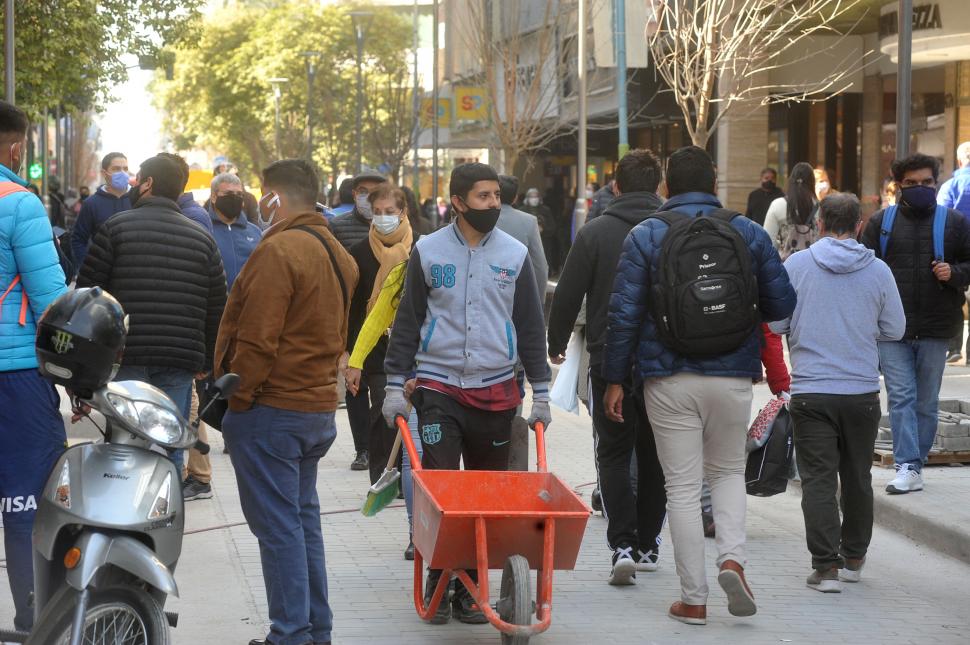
(847, 302)
(955, 194)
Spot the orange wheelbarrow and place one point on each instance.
(481, 520)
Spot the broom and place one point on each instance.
(384, 490)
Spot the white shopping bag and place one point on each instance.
(564, 390)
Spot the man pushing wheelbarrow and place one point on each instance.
(469, 311)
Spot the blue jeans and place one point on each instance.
(32, 439)
(406, 478)
(275, 454)
(174, 382)
(913, 370)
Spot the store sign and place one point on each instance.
(471, 104)
(444, 113)
(926, 16)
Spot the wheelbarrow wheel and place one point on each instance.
(515, 600)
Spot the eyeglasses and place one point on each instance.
(929, 182)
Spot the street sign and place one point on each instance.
(36, 171)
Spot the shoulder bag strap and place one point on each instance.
(333, 261)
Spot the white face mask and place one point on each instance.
(363, 206)
(386, 224)
(271, 207)
(531, 201)
(822, 186)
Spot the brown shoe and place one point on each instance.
(740, 598)
(688, 614)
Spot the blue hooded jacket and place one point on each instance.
(236, 243)
(955, 192)
(26, 249)
(95, 211)
(632, 332)
(191, 209)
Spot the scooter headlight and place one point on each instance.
(163, 499)
(155, 422)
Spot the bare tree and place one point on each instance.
(389, 115)
(515, 46)
(718, 54)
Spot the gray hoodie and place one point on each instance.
(847, 301)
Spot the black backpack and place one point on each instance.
(770, 466)
(704, 297)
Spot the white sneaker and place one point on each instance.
(624, 568)
(647, 561)
(907, 480)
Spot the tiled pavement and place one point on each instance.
(910, 594)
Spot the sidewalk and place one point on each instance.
(910, 594)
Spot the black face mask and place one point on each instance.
(134, 194)
(482, 220)
(768, 185)
(230, 204)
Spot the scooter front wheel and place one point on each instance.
(115, 616)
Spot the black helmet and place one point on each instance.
(80, 340)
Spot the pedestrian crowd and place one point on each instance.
(364, 303)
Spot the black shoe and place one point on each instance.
(443, 615)
(361, 462)
(192, 488)
(409, 552)
(465, 609)
(707, 519)
(596, 500)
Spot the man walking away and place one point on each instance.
(111, 197)
(955, 194)
(284, 328)
(167, 274)
(186, 202)
(928, 251)
(698, 404)
(344, 202)
(469, 310)
(847, 303)
(634, 520)
(524, 228)
(761, 197)
(31, 428)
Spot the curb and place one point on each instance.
(931, 532)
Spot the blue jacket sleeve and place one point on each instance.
(81, 235)
(35, 254)
(628, 305)
(776, 295)
(947, 195)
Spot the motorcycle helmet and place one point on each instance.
(80, 340)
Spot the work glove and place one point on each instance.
(540, 412)
(394, 404)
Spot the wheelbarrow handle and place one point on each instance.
(540, 429)
(405, 432)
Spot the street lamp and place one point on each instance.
(276, 82)
(311, 58)
(360, 19)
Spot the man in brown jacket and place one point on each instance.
(284, 328)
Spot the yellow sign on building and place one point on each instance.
(444, 113)
(471, 104)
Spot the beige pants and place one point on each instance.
(700, 424)
(198, 465)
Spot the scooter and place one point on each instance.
(108, 530)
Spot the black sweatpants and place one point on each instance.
(451, 432)
(834, 439)
(632, 520)
(367, 422)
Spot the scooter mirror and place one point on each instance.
(225, 386)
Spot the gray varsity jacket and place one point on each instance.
(468, 314)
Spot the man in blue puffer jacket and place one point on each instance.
(31, 427)
(699, 408)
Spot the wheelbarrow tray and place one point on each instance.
(514, 506)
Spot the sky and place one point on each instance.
(130, 124)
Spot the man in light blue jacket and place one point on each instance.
(31, 427)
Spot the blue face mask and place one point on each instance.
(119, 180)
(921, 198)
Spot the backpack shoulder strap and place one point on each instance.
(668, 217)
(888, 219)
(333, 261)
(10, 187)
(939, 229)
(724, 214)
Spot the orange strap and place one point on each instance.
(23, 304)
(9, 188)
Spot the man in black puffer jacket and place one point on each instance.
(634, 520)
(167, 273)
(932, 293)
